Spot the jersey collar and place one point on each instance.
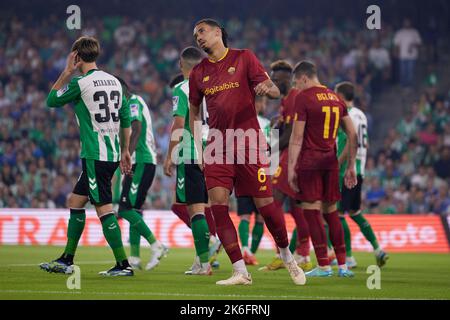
(223, 57)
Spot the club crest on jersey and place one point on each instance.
(231, 70)
(175, 100)
(206, 79)
(63, 90)
(134, 110)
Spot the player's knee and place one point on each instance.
(316, 205)
(245, 217)
(259, 218)
(74, 201)
(262, 202)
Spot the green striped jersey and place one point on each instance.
(100, 109)
(360, 123)
(145, 149)
(180, 100)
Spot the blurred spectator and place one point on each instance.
(407, 41)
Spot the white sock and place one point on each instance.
(377, 251)
(286, 255)
(240, 267)
(343, 266)
(155, 245)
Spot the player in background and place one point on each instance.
(104, 120)
(281, 75)
(246, 206)
(351, 198)
(190, 182)
(136, 186)
(229, 79)
(313, 164)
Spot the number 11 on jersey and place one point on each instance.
(326, 125)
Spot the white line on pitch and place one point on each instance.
(167, 294)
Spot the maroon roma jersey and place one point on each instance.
(322, 110)
(228, 88)
(288, 106)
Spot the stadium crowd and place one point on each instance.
(39, 147)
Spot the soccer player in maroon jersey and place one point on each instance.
(313, 164)
(281, 75)
(229, 79)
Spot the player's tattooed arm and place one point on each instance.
(295, 146)
(178, 123)
(350, 174)
(195, 124)
(267, 88)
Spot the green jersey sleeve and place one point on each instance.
(124, 114)
(180, 103)
(69, 93)
(341, 141)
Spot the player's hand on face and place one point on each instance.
(125, 163)
(73, 62)
(350, 178)
(292, 180)
(168, 164)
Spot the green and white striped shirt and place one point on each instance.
(360, 123)
(100, 109)
(145, 148)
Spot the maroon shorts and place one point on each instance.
(248, 180)
(318, 185)
(280, 178)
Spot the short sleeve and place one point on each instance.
(195, 93)
(256, 71)
(300, 108)
(135, 110)
(179, 103)
(69, 93)
(124, 114)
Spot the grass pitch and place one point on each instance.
(406, 276)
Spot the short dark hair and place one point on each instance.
(306, 68)
(88, 48)
(192, 55)
(346, 89)
(215, 23)
(176, 80)
(281, 65)
(125, 88)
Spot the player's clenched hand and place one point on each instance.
(350, 178)
(168, 164)
(72, 63)
(262, 89)
(125, 163)
(292, 180)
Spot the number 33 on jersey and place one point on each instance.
(101, 111)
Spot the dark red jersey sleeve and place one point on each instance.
(195, 93)
(256, 71)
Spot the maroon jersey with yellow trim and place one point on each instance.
(228, 87)
(322, 110)
(288, 106)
